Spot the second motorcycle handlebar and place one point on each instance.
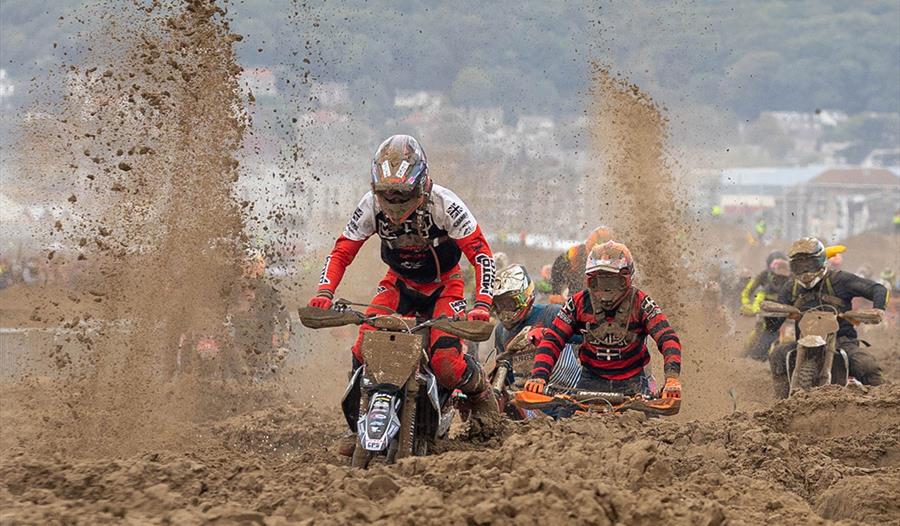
(773, 309)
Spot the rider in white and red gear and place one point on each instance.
(424, 229)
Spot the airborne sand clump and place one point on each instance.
(151, 123)
(638, 192)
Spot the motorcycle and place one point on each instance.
(406, 410)
(510, 369)
(816, 360)
(566, 402)
(513, 366)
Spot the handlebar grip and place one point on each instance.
(316, 318)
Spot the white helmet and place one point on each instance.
(513, 295)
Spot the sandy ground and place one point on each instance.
(264, 454)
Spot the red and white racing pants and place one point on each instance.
(428, 300)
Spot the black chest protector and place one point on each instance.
(416, 249)
(823, 294)
(613, 333)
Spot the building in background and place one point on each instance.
(839, 203)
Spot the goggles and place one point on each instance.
(607, 281)
(510, 303)
(398, 197)
(398, 201)
(803, 265)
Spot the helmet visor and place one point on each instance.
(805, 265)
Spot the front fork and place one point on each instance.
(351, 402)
(803, 353)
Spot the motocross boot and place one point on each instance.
(485, 418)
(347, 444)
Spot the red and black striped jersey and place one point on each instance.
(610, 359)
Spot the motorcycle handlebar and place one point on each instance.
(316, 318)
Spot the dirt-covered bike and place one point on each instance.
(566, 401)
(817, 360)
(405, 410)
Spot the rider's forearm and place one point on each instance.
(868, 289)
(748, 290)
(758, 299)
(879, 296)
(476, 249)
(336, 263)
(544, 360)
(550, 348)
(666, 341)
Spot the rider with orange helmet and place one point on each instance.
(567, 272)
(615, 318)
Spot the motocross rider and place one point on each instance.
(615, 318)
(515, 308)
(764, 286)
(259, 321)
(814, 285)
(424, 228)
(567, 272)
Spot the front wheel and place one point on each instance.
(806, 375)
(406, 435)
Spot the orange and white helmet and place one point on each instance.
(598, 236)
(608, 272)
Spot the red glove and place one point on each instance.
(672, 389)
(536, 334)
(536, 385)
(321, 302)
(478, 314)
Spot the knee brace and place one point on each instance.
(447, 361)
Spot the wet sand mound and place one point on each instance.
(272, 467)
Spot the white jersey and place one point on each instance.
(445, 211)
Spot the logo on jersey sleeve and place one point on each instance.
(353, 229)
(567, 313)
(323, 279)
(458, 306)
(463, 223)
(488, 270)
(650, 308)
